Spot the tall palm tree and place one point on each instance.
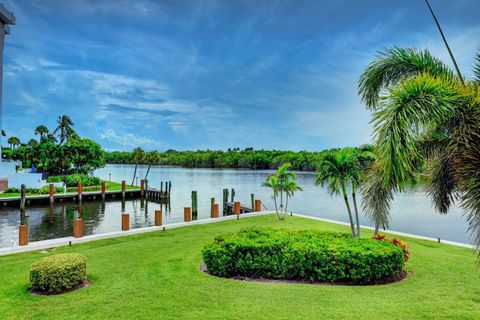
(273, 183)
(423, 114)
(336, 170)
(137, 156)
(283, 175)
(42, 131)
(64, 128)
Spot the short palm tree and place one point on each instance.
(336, 170)
(137, 156)
(423, 115)
(64, 128)
(290, 188)
(41, 131)
(13, 142)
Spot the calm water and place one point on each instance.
(412, 211)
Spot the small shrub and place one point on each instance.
(302, 255)
(58, 273)
(72, 180)
(399, 243)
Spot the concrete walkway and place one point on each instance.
(53, 243)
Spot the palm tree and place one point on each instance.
(273, 183)
(13, 142)
(423, 114)
(290, 188)
(284, 175)
(151, 158)
(64, 128)
(50, 137)
(137, 156)
(336, 170)
(42, 131)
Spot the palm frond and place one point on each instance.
(416, 106)
(476, 67)
(443, 185)
(394, 65)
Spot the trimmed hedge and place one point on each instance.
(72, 180)
(302, 255)
(58, 273)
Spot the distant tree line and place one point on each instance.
(62, 151)
(232, 158)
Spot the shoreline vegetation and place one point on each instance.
(233, 158)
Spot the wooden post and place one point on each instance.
(125, 221)
(225, 200)
(23, 235)
(233, 195)
(104, 187)
(79, 191)
(194, 205)
(236, 209)
(158, 217)
(161, 187)
(23, 190)
(186, 214)
(52, 193)
(252, 196)
(258, 205)
(123, 188)
(142, 187)
(215, 211)
(78, 228)
(212, 203)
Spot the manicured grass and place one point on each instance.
(157, 276)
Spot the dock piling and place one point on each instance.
(186, 214)
(236, 209)
(79, 191)
(215, 210)
(22, 235)
(104, 187)
(158, 217)
(252, 197)
(194, 205)
(51, 193)
(125, 221)
(123, 188)
(142, 188)
(258, 205)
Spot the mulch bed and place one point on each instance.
(394, 279)
(83, 284)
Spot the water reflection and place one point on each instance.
(58, 219)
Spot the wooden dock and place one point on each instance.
(152, 194)
(229, 208)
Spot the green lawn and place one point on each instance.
(156, 276)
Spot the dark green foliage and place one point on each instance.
(72, 180)
(302, 255)
(58, 273)
(232, 158)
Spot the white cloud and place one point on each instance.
(127, 139)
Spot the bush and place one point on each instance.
(302, 255)
(58, 273)
(72, 180)
(399, 243)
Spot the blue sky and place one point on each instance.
(212, 74)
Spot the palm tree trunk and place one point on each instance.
(134, 174)
(356, 209)
(377, 227)
(344, 190)
(148, 170)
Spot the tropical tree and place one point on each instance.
(290, 188)
(64, 128)
(42, 131)
(13, 142)
(151, 158)
(283, 183)
(137, 156)
(272, 183)
(336, 170)
(424, 115)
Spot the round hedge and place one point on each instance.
(302, 255)
(58, 273)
